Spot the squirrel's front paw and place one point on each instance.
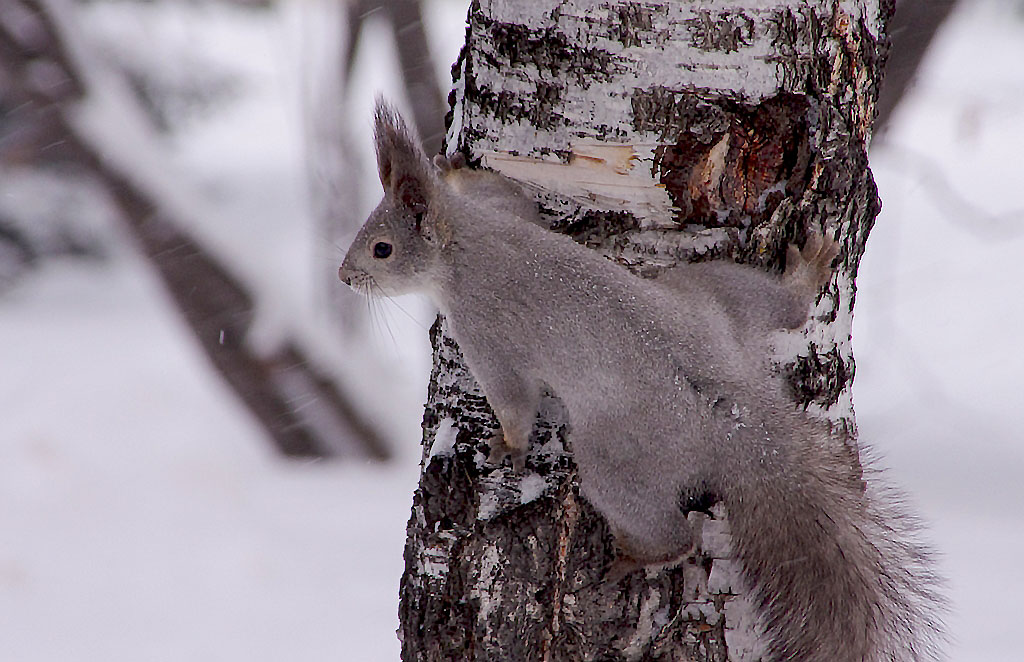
(811, 267)
(501, 448)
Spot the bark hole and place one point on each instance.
(738, 164)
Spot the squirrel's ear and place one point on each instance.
(403, 167)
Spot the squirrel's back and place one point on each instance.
(507, 266)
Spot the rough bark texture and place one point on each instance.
(654, 132)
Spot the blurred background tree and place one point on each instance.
(53, 74)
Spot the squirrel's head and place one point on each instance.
(393, 253)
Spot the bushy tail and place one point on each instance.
(833, 559)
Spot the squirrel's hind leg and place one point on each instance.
(633, 553)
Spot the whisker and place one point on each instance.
(383, 315)
(409, 315)
(329, 261)
(377, 311)
(364, 289)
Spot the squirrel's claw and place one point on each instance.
(500, 449)
(810, 268)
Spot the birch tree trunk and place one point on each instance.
(654, 132)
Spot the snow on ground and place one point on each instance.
(143, 516)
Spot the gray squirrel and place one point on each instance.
(671, 400)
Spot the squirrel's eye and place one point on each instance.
(381, 250)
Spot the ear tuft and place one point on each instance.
(405, 172)
(398, 149)
(387, 125)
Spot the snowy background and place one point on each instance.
(144, 517)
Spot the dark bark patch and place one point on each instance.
(550, 50)
(669, 113)
(722, 32)
(632, 24)
(793, 34)
(592, 226)
(820, 377)
(736, 170)
(539, 111)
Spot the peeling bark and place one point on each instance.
(655, 133)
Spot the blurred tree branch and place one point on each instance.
(912, 29)
(302, 410)
(421, 83)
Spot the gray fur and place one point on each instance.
(488, 188)
(671, 401)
